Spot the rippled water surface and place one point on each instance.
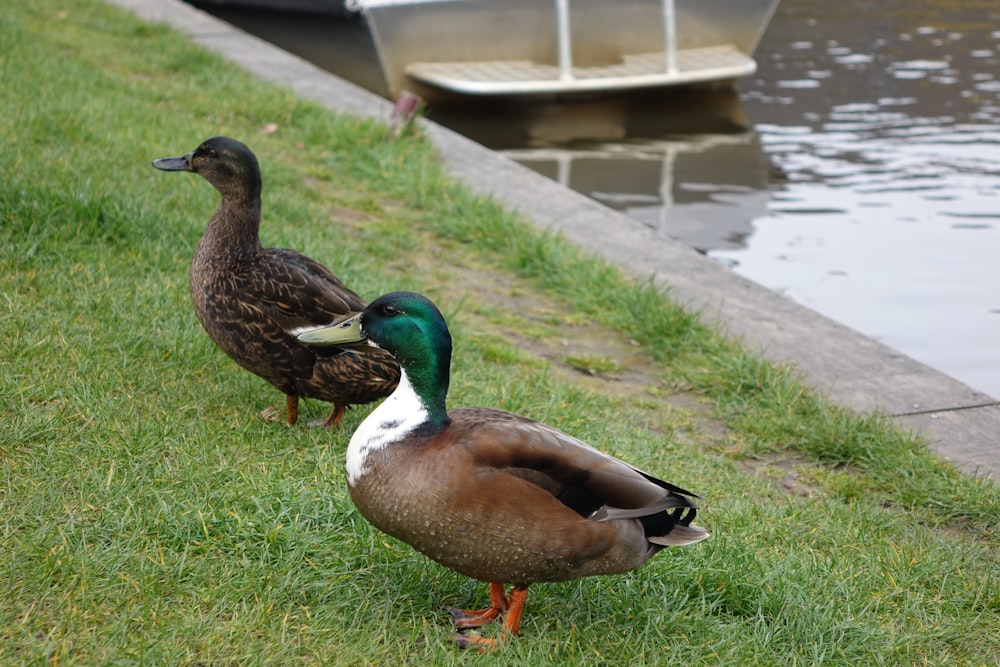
(885, 121)
(858, 172)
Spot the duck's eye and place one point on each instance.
(390, 309)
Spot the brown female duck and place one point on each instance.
(487, 493)
(253, 300)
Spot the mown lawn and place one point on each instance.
(148, 516)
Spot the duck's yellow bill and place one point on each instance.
(338, 333)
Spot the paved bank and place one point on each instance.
(962, 424)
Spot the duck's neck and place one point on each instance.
(428, 381)
(235, 227)
(405, 412)
(417, 407)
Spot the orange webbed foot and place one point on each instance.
(511, 608)
(464, 641)
(467, 618)
(272, 415)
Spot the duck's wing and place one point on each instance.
(258, 308)
(585, 479)
(297, 291)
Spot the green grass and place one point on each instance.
(147, 516)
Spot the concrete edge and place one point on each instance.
(960, 423)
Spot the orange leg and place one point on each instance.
(334, 419)
(511, 621)
(292, 408)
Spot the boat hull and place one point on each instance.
(536, 47)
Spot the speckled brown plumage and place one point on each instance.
(252, 300)
(502, 498)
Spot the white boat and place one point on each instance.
(561, 47)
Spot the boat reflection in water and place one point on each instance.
(685, 164)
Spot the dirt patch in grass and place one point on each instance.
(785, 471)
(579, 351)
(621, 360)
(575, 349)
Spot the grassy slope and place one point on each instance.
(147, 516)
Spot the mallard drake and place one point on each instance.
(253, 300)
(490, 494)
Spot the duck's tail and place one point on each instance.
(673, 529)
(680, 536)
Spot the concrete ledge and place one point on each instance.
(962, 424)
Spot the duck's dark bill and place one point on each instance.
(342, 333)
(172, 163)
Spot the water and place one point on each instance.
(885, 120)
(858, 172)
